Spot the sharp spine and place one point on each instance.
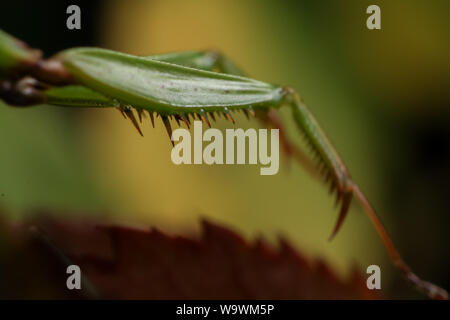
(204, 118)
(152, 119)
(129, 113)
(213, 117)
(185, 119)
(227, 114)
(140, 113)
(177, 119)
(166, 122)
(252, 112)
(246, 114)
(121, 112)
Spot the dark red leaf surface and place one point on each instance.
(128, 263)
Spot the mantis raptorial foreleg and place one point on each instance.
(346, 187)
(337, 172)
(214, 60)
(92, 77)
(208, 60)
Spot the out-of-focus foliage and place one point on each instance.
(42, 163)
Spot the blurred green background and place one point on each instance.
(382, 96)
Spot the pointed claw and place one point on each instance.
(168, 128)
(152, 119)
(129, 113)
(346, 200)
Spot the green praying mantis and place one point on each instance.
(181, 86)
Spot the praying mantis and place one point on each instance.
(182, 86)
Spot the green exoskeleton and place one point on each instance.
(179, 86)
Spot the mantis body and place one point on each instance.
(180, 86)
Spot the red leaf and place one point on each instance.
(127, 263)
